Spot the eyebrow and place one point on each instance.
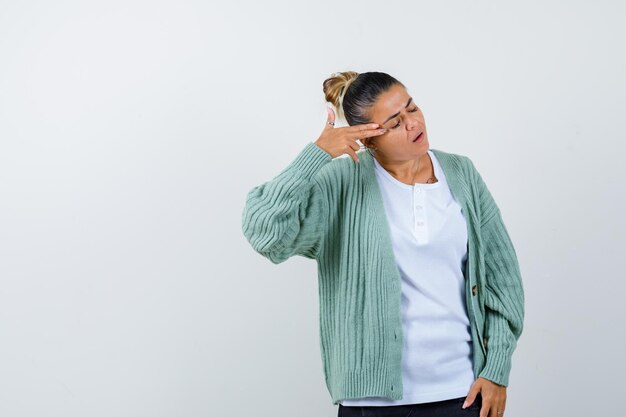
(394, 115)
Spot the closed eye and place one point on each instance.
(410, 111)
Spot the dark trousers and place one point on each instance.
(445, 408)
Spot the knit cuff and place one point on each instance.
(498, 366)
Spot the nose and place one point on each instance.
(412, 123)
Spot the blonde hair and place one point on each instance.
(335, 88)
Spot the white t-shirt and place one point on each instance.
(429, 237)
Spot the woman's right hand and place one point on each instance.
(339, 140)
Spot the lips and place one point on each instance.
(418, 136)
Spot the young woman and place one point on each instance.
(421, 297)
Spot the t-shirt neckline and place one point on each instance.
(399, 183)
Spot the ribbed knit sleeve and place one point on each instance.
(504, 301)
(503, 292)
(288, 215)
(488, 207)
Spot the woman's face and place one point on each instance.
(404, 121)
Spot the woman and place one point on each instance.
(421, 297)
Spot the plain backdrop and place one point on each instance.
(131, 132)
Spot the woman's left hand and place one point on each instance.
(493, 396)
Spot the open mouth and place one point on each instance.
(419, 137)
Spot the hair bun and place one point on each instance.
(335, 87)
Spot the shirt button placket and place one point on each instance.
(418, 213)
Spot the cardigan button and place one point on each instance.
(474, 289)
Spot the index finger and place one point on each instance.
(365, 126)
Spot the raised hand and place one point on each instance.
(339, 140)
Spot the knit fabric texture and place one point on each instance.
(331, 210)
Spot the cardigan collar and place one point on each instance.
(458, 182)
(449, 164)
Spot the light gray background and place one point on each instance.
(131, 132)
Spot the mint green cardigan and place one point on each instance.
(331, 210)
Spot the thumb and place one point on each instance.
(331, 118)
(471, 395)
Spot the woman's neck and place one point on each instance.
(413, 171)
